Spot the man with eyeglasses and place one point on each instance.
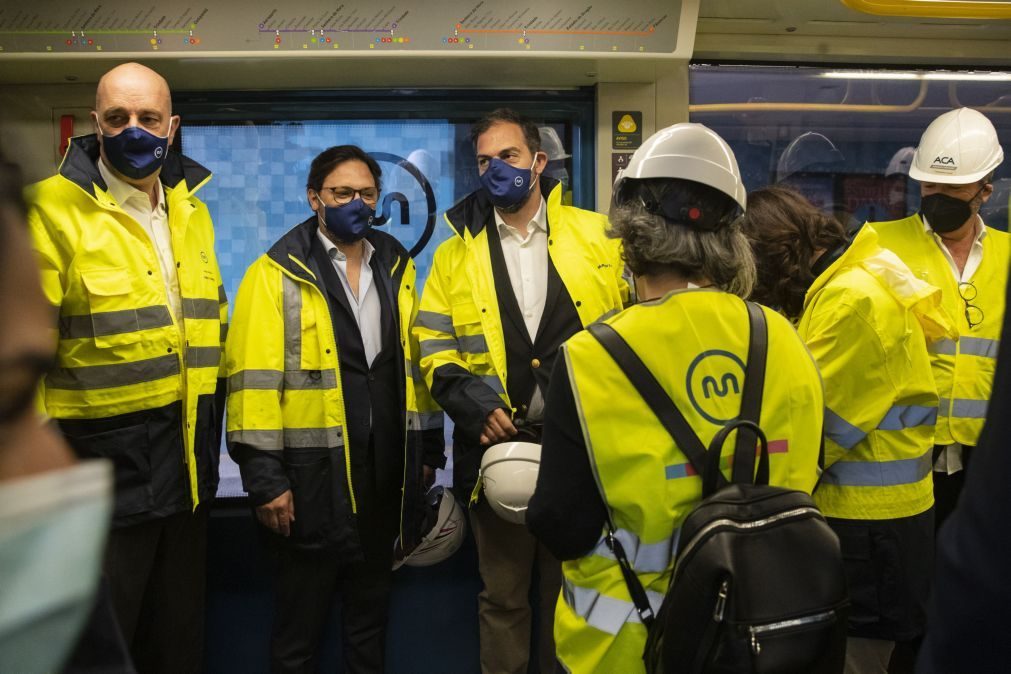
(328, 417)
(948, 245)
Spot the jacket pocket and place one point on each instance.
(309, 474)
(128, 449)
(109, 302)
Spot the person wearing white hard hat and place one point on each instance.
(521, 274)
(606, 457)
(557, 166)
(948, 245)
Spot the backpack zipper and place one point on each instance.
(754, 524)
(756, 630)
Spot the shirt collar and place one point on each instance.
(334, 253)
(123, 191)
(537, 223)
(980, 228)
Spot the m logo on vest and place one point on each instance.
(714, 385)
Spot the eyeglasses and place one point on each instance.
(343, 195)
(973, 314)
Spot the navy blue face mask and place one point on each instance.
(349, 222)
(135, 152)
(506, 185)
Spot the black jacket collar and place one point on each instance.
(81, 168)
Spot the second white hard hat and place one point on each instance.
(509, 475)
(688, 151)
(958, 148)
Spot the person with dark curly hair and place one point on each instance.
(867, 321)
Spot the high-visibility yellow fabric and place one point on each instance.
(460, 322)
(963, 369)
(284, 381)
(120, 349)
(696, 344)
(867, 322)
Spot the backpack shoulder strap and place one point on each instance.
(654, 395)
(743, 471)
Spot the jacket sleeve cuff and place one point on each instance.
(263, 474)
(433, 448)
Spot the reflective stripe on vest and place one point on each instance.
(644, 557)
(605, 613)
(424, 421)
(109, 376)
(201, 308)
(969, 346)
(475, 344)
(107, 323)
(203, 356)
(299, 438)
(966, 409)
(292, 301)
(879, 473)
(899, 417)
(435, 321)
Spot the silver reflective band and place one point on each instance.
(434, 321)
(430, 347)
(908, 416)
(114, 322)
(200, 308)
(292, 300)
(109, 376)
(414, 370)
(424, 421)
(607, 614)
(305, 380)
(964, 408)
(644, 558)
(472, 344)
(494, 383)
(222, 297)
(879, 473)
(943, 347)
(264, 380)
(224, 332)
(203, 356)
(297, 438)
(978, 346)
(842, 432)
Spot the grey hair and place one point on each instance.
(652, 245)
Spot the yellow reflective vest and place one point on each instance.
(286, 408)
(963, 368)
(867, 322)
(133, 383)
(460, 327)
(695, 342)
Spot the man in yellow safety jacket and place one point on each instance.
(867, 322)
(127, 257)
(948, 245)
(521, 274)
(677, 210)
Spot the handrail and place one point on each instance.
(812, 107)
(938, 9)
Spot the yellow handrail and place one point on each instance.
(811, 107)
(938, 9)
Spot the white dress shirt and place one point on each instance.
(154, 221)
(526, 260)
(365, 305)
(950, 459)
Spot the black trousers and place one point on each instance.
(157, 574)
(305, 583)
(948, 487)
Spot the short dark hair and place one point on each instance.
(507, 116)
(785, 231)
(332, 157)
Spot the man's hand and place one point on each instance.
(497, 427)
(278, 514)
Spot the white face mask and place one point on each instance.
(53, 528)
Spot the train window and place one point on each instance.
(259, 149)
(844, 137)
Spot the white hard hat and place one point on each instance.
(900, 162)
(809, 152)
(446, 527)
(688, 151)
(958, 148)
(509, 474)
(551, 144)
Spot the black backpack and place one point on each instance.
(758, 582)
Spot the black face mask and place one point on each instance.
(945, 213)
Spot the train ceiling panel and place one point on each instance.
(272, 26)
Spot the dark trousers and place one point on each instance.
(305, 583)
(948, 487)
(157, 574)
